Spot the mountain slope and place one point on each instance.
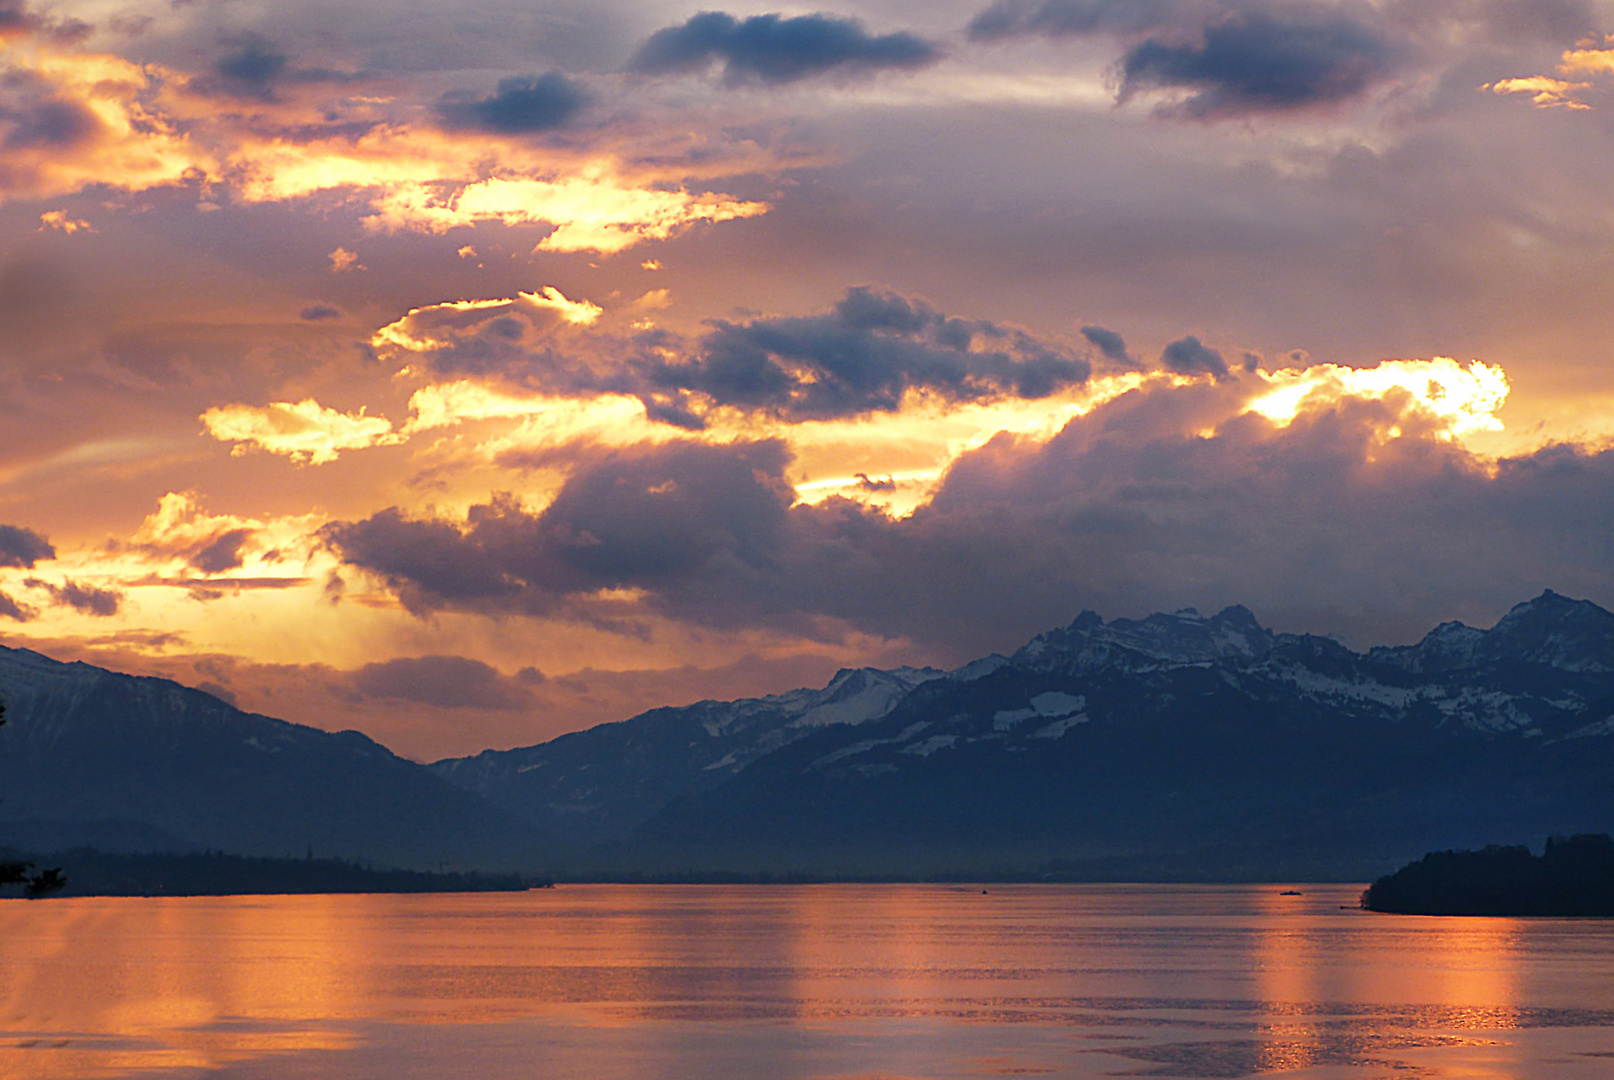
(1185, 745)
(144, 762)
(600, 784)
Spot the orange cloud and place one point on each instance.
(1547, 92)
(304, 431)
(73, 118)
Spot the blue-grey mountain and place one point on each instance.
(93, 758)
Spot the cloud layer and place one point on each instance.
(775, 49)
(1359, 507)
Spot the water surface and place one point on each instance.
(844, 981)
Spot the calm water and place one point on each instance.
(691, 982)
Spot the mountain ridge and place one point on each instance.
(1176, 744)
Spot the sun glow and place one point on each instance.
(1463, 398)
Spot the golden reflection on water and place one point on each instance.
(1034, 979)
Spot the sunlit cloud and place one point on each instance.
(1590, 58)
(1462, 399)
(305, 431)
(593, 212)
(61, 222)
(70, 119)
(438, 328)
(1545, 91)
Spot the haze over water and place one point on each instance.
(856, 981)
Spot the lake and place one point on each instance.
(843, 981)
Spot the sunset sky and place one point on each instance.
(466, 373)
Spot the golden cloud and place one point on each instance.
(596, 211)
(439, 327)
(1589, 58)
(1459, 399)
(304, 431)
(74, 118)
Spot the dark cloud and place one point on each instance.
(256, 69)
(84, 598)
(660, 517)
(873, 485)
(22, 548)
(11, 609)
(448, 682)
(17, 21)
(319, 312)
(1266, 61)
(1108, 343)
(863, 356)
(527, 103)
(33, 116)
(777, 49)
(1189, 357)
(222, 553)
(1221, 58)
(1356, 517)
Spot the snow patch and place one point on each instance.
(1007, 719)
(1058, 703)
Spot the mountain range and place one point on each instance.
(1179, 746)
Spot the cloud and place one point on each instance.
(595, 211)
(865, 355)
(1351, 505)
(61, 222)
(69, 119)
(1577, 68)
(222, 553)
(481, 336)
(1188, 357)
(251, 70)
(36, 117)
(777, 49)
(520, 105)
(1287, 58)
(21, 548)
(88, 599)
(305, 431)
(11, 609)
(1110, 344)
(868, 354)
(1212, 59)
(667, 516)
(447, 682)
(256, 69)
(319, 313)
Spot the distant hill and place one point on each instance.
(92, 758)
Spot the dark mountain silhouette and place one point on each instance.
(1175, 747)
(1184, 746)
(94, 758)
(600, 784)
